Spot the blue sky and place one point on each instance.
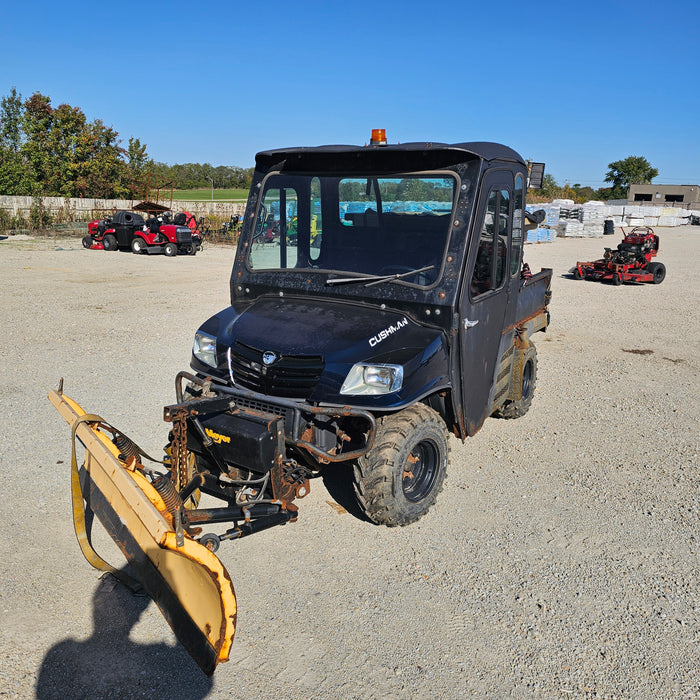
(576, 85)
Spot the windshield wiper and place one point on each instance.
(371, 280)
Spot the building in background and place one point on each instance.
(685, 196)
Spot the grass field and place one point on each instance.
(205, 195)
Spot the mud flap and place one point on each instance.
(188, 583)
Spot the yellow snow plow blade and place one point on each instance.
(188, 582)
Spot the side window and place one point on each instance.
(277, 217)
(516, 245)
(502, 243)
(490, 265)
(483, 270)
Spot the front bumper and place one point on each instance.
(328, 433)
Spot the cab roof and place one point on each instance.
(391, 157)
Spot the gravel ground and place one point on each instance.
(561, 559)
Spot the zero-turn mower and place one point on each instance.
(630, 262)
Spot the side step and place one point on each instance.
(189, 583)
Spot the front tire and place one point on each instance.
(658, 270)
(526, 376)
(399, 479)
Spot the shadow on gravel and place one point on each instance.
(338, 480)
(110, 665)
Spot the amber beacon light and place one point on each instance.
(378, 137)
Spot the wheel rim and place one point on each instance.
(420, 471)
(527, 379)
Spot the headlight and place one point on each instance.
(205, 348)
(364, 378)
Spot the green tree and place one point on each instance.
(633, 170)
(63, 142)
(37, 121)
(13, 176)
(56, 151)
(549, 189)
(584, 194)
(66, 155)
(100, 168)
(137, 164)
(11, 110)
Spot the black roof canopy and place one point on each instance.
(389, 158)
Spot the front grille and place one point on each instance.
(183, 234)
(291, 376)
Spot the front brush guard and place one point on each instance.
(296, 416)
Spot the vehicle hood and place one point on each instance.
(340, 334)
(318, 327)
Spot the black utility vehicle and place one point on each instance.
(114, 232)
(398, 312)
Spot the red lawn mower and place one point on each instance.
(630, 262)
(161, 234)
(126, 230)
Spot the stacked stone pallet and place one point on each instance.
(593, 219)
(588, 220)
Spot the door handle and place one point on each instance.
(469, 324)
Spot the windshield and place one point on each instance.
(379, 226)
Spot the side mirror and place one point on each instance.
(535, 176)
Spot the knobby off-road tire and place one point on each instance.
(528, 380)
(658, 270)
(398, 480)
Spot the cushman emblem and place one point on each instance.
(269, 357)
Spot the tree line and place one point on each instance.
(633, 170)
(57, 152)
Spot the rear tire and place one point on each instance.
(87, 241)
(616, 279)
(109, 242)
(170, 249)
(658, 270)
(528, 380)
(398, 480)
(138, 245)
